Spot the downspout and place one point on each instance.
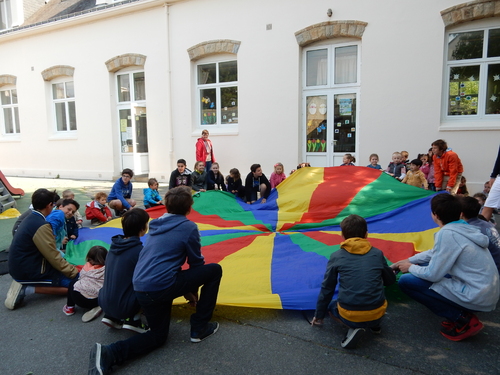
(169, 100)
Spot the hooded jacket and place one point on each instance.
(122, 192)
(151, 197)
(448, 164)
(201, 150)
(363, 273)
(117, 296)
(172, 240)
(460, 267)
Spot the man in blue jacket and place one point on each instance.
(158, 280)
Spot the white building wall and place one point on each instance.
(400, 96)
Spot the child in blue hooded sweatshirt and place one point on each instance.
(457, 277)
(151, 196)
(120, 197)
(159, 279)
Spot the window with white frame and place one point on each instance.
(217, 91)
(10, 111)
(473, 74)
(5, 14)
(63, 96)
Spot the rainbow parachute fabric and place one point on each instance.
(274, 255)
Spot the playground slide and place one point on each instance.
(8, 186)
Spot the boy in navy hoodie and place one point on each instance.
(117, 297)
(159, 279)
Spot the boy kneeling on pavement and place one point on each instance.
(363, 273)
(455, 278)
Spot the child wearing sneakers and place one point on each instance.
(84, 291)
(159, 279)
(363, 272)
(97, 211)
(117, 296)
(457, 277)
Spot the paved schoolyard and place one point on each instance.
(39, 339)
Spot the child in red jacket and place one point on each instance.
(97, 211)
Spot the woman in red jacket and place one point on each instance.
(205, 151)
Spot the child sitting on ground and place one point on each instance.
(481, 198)
(234, 183)
(57, 219)
(462, 187)
(117, 297)
(215, 179)
(151, 196)
(68, 194)
(256, 182)
(278, 176)
(374, 162)
(396, 167)
(199, 177)
(180, 176)
(363, 272)
(470, 213)
(84, 291)
(415, 177)
(97, 211)
(348, 160)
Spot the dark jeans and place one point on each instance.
(75, 297)
(418, 289)
(332, 307)
(157, 307)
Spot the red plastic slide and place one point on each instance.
(8, 186)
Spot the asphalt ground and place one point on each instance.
(38, 339)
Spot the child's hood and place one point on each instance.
(121, 244)
(165, 223)
(146, 190)
(356, 245)
(471, 232)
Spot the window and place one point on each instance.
(473, 74)
(10, 111)
(5, 14)
(63, 95)
(217, 91)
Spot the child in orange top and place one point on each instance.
(415, 176)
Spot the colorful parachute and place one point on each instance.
(274, 254)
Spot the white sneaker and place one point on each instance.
(352, 338)
(91, 314)
(15, 295)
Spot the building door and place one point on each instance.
(133, 122)
(330, 104)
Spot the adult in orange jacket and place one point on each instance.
(448, 167)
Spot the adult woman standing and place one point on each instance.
(205, 151)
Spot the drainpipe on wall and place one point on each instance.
(173, 165)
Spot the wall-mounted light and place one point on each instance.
(329, 12)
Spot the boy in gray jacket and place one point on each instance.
(457, 277)
(363, 272)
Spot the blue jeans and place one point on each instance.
(418, 289)
(157, 307)
(54, 278)
(332, 307)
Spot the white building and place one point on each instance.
(132, 84)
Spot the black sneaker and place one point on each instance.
(376, 330)
(209, 330)
(135, 325)
(352, 338)
(15, 295)
(112, 322)
(100, 361)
